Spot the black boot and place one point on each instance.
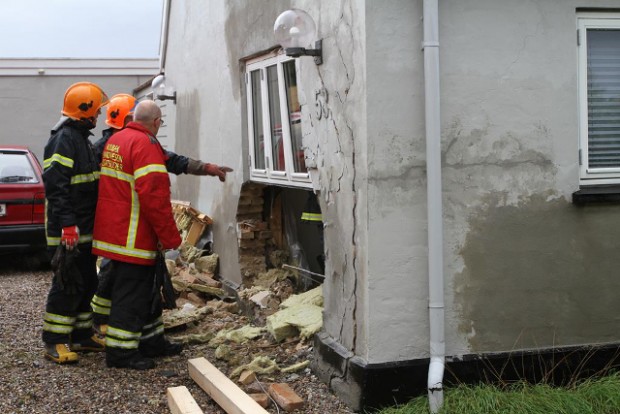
(169, 349)
(137, 363)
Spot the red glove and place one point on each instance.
(216, 171)
(70, 237)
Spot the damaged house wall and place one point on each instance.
(525, 269)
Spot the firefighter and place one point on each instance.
(311, 214)
(119, 113)
(71, 175)
(133, 221)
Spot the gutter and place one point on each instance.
(163, 43)
(437, 347)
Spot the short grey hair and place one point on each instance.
(146, 111)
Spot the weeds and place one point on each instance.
(569, 381)
(593, 396)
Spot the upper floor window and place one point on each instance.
(274, 122)
(599, 90)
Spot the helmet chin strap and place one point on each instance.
(89, 123)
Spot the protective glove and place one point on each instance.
(70, 236)
(196, 167)
(216, 171)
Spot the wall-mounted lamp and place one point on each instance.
(162, 89)
(294, 30)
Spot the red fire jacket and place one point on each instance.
(134, 210)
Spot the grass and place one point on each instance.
(592, 396)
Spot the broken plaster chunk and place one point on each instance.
(305, 319)
(207, 264)
(247, 377)
(171, 266)
(261, 298)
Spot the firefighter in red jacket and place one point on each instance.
(119, 112)
(133, 221)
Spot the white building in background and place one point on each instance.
(529, 131)
(32, 92)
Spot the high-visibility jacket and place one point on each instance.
(175, 163)
(312, 209)
(70, 175)
(134, 210)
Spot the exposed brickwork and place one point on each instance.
(252, 232)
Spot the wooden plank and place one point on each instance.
(225, 392)
(180, 401)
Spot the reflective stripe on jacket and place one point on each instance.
(134, 210)
(71, 176)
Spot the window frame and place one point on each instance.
(586, 21)
(288, 176)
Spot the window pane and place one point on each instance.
(257, 114)
(16, 168)
(277, 150)
(294, 116)
(603, 98)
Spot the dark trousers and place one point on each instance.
(134, 324)
(68, 317)
(101, 302)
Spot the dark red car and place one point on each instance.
(22, 201)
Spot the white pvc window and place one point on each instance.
(599, 88)
(274, 122)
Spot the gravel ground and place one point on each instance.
(29, 383)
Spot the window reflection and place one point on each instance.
(277, 146)
(257, 114)
(290, 79)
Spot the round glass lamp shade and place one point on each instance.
(161, 87)
(294, 29)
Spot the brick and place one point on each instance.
(196, 299)
(251, 244)
(286, 398)
(246, 235)
(261, 398)
(250, 209)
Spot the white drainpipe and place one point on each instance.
(434, 204)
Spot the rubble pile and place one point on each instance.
(260, 332)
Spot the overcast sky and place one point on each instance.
(80, 28)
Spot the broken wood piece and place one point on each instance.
(208, 289)
(180, 401)
(223, 391)
(286, 398)
(204, 278)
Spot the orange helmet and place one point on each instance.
(119, 107)
(83, 100)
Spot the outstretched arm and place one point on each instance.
(197, 167)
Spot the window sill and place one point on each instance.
(597, 194)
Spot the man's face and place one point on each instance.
(96, 117)
(128, 119)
